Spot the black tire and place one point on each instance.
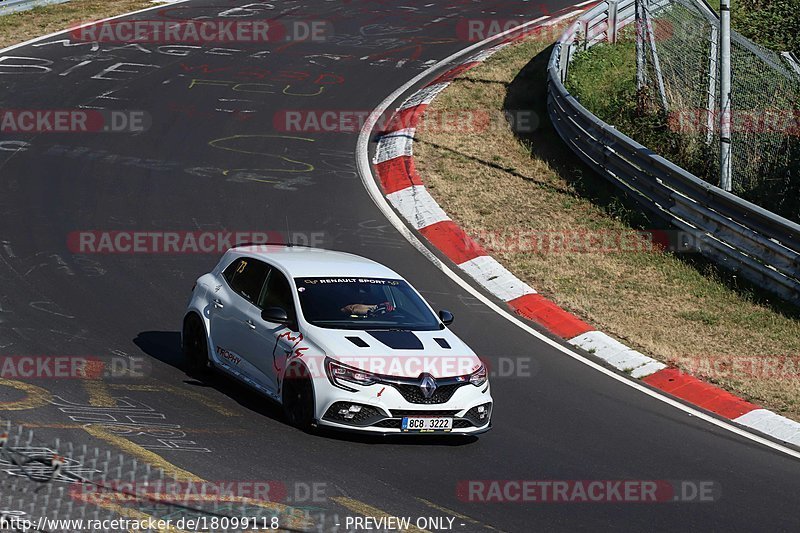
(195, 346)
(298, 398)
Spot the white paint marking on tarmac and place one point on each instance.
(7, 249)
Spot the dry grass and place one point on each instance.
(681, 311)
(25, 25)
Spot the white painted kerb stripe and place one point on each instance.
(416, 205)
(496, 278)
(424, 95)
(615, 353)
(650, 368)
(773, 424)
(395, 144)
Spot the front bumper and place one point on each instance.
(382, 407)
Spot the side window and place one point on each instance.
(230, 271)
(246, 276)
(278, 293)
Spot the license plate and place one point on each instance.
(427, 423)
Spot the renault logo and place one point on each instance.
(427, 385)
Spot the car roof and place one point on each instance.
(302, 261)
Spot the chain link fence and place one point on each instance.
(53, 487)
(678, 70)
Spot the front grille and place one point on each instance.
(461, 423)
(389, 423)
(365, 417)
(406, 412)
(413, 394)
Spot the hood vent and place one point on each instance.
(397, 340)
(358, 341)
(442, 342)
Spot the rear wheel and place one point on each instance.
(298, 398)
(195, 345)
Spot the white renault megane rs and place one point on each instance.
(339, 340)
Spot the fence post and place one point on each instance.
(651, 40)
(611, 31)
(712, 85)
(725, 95)
(641, 76)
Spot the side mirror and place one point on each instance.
(446, 317)
(277, 315)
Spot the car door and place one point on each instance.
(273, 343)
(233, 306)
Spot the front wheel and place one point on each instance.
(298, 398)
(195, 346)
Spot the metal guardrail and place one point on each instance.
(751, 241)
(12, 6)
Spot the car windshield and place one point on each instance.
(363, 303)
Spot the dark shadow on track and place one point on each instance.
(162, 345)
(417, 440)
(166, 347)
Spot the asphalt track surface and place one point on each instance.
(563, 422)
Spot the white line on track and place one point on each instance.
(365, 170)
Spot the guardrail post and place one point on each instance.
(792, 61)
(563, 63)
(583, 34)
(571, 49)
(611, 32)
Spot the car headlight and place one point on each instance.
(478, 377)
(340, 375)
